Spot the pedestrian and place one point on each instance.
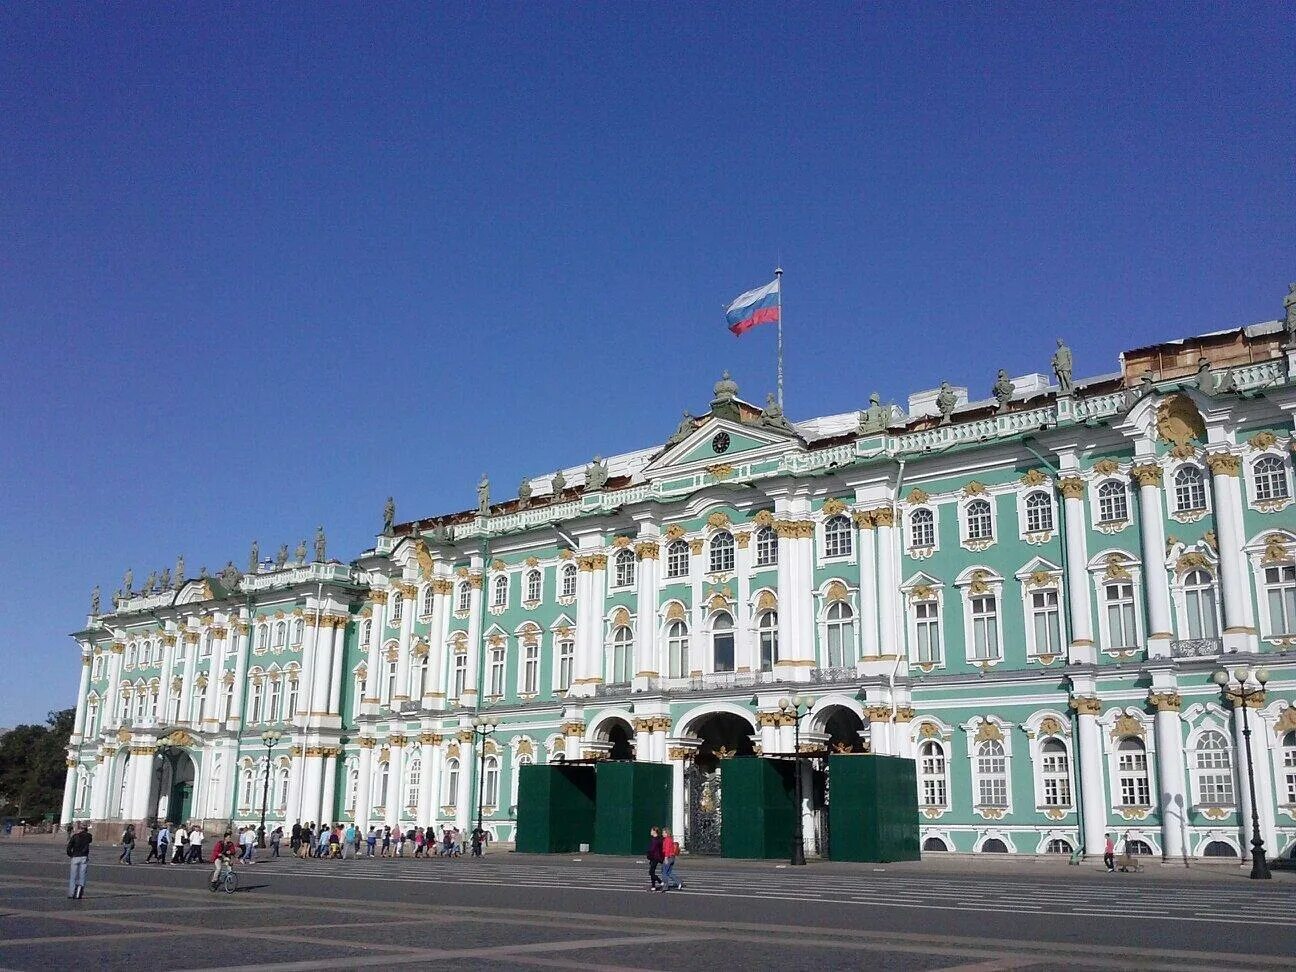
(1109, 853)
(371, 840)
(478, 836)
(248, 840)
(386, 843)
(295, 839)
(654, 855)
(311, 838)
(127, 844)
(78, 849)
(357, 838)
(152, 842)
(418, 841)
(670, 850)
(400, 842)
(335, 841)
(276, 836)
(196, 838)
(179, 844)
(164, 843)
(348, 841)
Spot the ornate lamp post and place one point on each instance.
(482, 727)
(270, 737)
(796, 709)
(1241, 697)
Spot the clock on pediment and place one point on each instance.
(720, 443)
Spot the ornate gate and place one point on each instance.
(702, 833)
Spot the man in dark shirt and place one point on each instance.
(78, 849)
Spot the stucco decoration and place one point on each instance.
(918, 497)
(1033, 477)
(1178, 422)
(1127, 725)
(988, 732)
(836, 592)
(1276, 549)
(1262, 440)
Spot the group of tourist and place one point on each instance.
(348, 841)
(662, 851)
(183, 844)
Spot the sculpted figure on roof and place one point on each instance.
(772, 415)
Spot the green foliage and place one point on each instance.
(33, 768)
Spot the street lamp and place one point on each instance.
(270, 737)
(482, 727)
(792, 709)
(1259, 867)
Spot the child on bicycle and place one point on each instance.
(222, 858)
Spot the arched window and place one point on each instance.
(837, 536)
(282, 802)
(839, 631)
(1280, 596)
(1055, 773)
(389, 682)
(767, 636)
(993, 845)
(1059, 846)
(523, 760)
(722, 552)
(1289, 768)
(531, 669)
(418, 676)
(450, 796)
(1219, 848)
(1138, 847)
(1132, 773)
(1122, 631)
(500, 589)
(568, 581)
(566, 659)
(141, 702)
(366, 633)
(490, 782)
(384, 781)
(934, 844)
(298, 631)
(361, 689)
(464, 599)
(425, 601)
(1199, 602)
(155, 693)
(254, 704)
(203, 652)
(130, 655)
(927, 629)
(722, 642)
(496, 672)
(263, 636)
(1113, 506)
(677, 559)
(766, 547)
(623, 574)
(280, 634)
(533, 586)
(1189, 489)
(458, 675)
(249, 784)
(992, 774)
(1039, 512)
(397, 601)
(412, 780)
(933, 783)
(922, 528)
(677, 650)
(92, 717)
(622, 655)
(980, 520)
(1213, 767)
(1270, 478)
(83, 789)
(353, 789)
(272, 709)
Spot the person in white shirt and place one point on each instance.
(248, 840)
(195, 844)
(181, 844)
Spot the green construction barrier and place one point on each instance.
(873, 808)
(555, 808)
(759, 807)
(632, 798)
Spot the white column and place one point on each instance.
(211, 701)
(364, 787)
(1080, 614)
(112, 699)
(1170, 773)
(69, 792)
(647, 655)
(328, 772)
(243, 633)
(187, 645)
(296, 785)
(746, 657)
(434, 690)
(141, 784)
(1235, 579)
(373, 659)
(476, 580)
(679, 796)
(796, 618)
(321, 667)
(312, 781)
(866, 537)
(99, 787)
(83, 689)
(169, 639)
(435, 777)
(468, 770)
(406, 592)
(890, 645)
(395, 780)
(589, 612)
(1093, 787)
(335, 670)
(1153, 537)
(426, 810)
(643, 740)
(880, 729)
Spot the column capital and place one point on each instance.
(1168, 701)
(1086, 705)
(1147, 475)
(1071, 487)
(647, 550)
(1223, 464)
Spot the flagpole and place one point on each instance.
(778, 275)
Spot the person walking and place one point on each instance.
(386, 843)
(654, 854)
(163, 843)
(348, 841)
(152, 842)
(78, 849)
(670, 850)
(196, 837)
(1109, 853)
(127, 844)
(295, 839)
(276, 837)
(248, 840)
(179, 844)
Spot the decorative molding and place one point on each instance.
(1071, 487)
(1148, 475)
(832, 506)
(647, 550)
(1086, 705)
(1262, 440)
(1168, 701)
(988, 732)
(918, 496)
(1224, 464)
(1127, 725)
(1033, 477)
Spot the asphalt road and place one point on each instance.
(516, 911)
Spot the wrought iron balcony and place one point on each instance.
(1196, 648)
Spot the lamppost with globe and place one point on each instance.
(796, 709)
(271, 738)
(1241, 698)
(482, 727)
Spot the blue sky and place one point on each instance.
(262, 265)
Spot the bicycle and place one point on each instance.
(228, 881)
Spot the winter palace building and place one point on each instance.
(1027, 594)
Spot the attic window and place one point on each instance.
(720, 443)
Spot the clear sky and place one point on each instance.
(263, 264)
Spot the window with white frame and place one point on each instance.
(397, 608)
(450, 796)
(92, 717)
(352, 788)
(490, 781)
(425, 601)
(418, 676)
(1199, 604)
(227, 702)
(499, 589)
(1213, 769)
(412, 780)
(154, 699)
(1280, 595)
(366, 633)
(83, 789)
(933, 778)
(96, 669)
(1189, 489)
(298, 631)
(205, 649)
(623, 569)
(979, 520)
(530, 668)
(1118, 599)
(1039, 512)
(766, 547)
(361, 688)
(985, 626)
(247, 787)
(1269, 479)
(130, 656)
(1058, 845)
(173, 709)
(282, 802)
(767, 637)
(389, 681)
(263, 636)
(1045, 622)
(677, 650)
(621, 659)
(458, 675)
(255, 703)
(280, 634)
(533, 580)
(566, 659)
(1289, 768)
(722, 552)
(384, 782)
(294, 688)
(677, 559)
(463, 598)
(722, 642)
(1134, 787)
(568, 581)
(272, 707)
(922, 528)
(125, 695)
(1113, 503)
(927, 639)
(992, 774)
(839, 634)
(1055, 774)
(837, 536)
(496, 684)
(522, 760)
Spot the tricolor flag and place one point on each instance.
(759, 306)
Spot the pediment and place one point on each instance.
(725, 441)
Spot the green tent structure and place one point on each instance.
(556, 804)
(632, 798)
(873, 808)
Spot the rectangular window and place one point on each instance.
(993, 791)
(927, 630)
(1044, 617)
(1121, 630)
(1280, 587)
(458, 676)
(934, 792)
(566, 656)
(1134, 788)
(497, 672)
(985, 627)
(531, 669)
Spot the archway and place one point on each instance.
(843, 726)
(620, 734)
(723, 734)
(173, 780)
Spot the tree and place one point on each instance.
(32, 767)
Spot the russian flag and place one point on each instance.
(759, 306)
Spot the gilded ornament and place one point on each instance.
(918, 497)
(564, 631)
(674, 531)
(675, 611)
(836, 591)
(695, 547)
(464, 735)
(1184, 451)
(1286, 722)
(1223, 464)
(922, 592)
(1034, 477)
(1262, 440)
(364, 742)
(525, 747)
(832, 506)
(1191, 560)
(717, 603)
(497, 640)
(599, 561)
(1050, 726)
(1148, 475)
(1127, 725)
(679, 752)
(1040, 577)
(1168, 701)
(1086, 705)
(988, 732)
(1178, 421)
(1116, 569)
(533, 561)
(718, 520)
(452, 751)
(883, 516)
(904, 713)
(573, 728)
(721, 470)
(565, 554)
(475, 581)
(979, 583)
(646, 550)
(742, 538)
(462, 571)
(1071, 487)
(620, 617)
(862, 519)
(974, 488)
(766, 602)
(929, 730)
(620, 542)
(1275, 549)
(764, 518)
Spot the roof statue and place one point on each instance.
(1062, 368)
(442, 533)
(180, 572)
(319, 544)
(946, 401)
(524, 492)
(281, 558)
(683, 430)
(202, 572)
(596, 475)
(94, 601)
(150, 582)
(165, 580)
(876, 417)
(229, 575)
(558, 484)
(1003, 390)
(772, 415)
(301, 552)
(726, 389)
(1289, 313)
(1205, 379)
(127, 581)
(483, 495)
(389, 517)
(254, 558)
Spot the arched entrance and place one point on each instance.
(723, 735)
(843, 727)
(620, 734)
(174, 785)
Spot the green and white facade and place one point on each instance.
(1029, 600)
